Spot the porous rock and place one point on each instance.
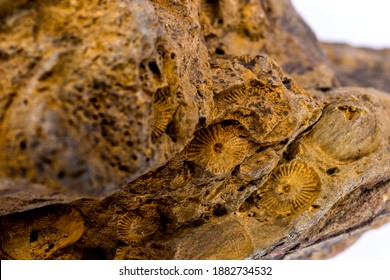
(181, 130)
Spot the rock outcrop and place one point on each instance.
(136, 129)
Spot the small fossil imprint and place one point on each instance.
(231, 96)
(245, 59)
(133, 227)
(242, 93)
(259, 108)
(163, 110)
(217, 148)
(181, 178)
(290, 189)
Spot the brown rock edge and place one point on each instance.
(137, 129)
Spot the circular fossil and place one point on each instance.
(264, 110)
(346, 131)
(163, 110)
(233, 95)
(38, 233)
(290, 189)
(133, 227)
(218, 149)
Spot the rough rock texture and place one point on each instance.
(137, 129)
(360, 66)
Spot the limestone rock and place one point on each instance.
(273, 27)
(360, 66)
(39, 233)
(77, 95)
(181, 130)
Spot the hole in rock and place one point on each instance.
(154, 68)
(33, 236)
(23, 145)
(219, 51)
(219, 210)
(332, 170)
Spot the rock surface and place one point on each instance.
(182, 130)
(360, 66)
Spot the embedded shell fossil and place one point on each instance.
(134, 228)
(231, 96)
(162, 110)
(218, 149)
(290, 189)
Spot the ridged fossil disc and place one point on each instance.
(218, 149)
(133, 227)
(290, 189)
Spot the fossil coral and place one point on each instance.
(182, 177)
(290, 189)
(46, 230)
(245, 59)
(163, 109)
(133, 227)
(243, 93)
(231, 96)
(217, 148)
(207, 129)
(260, 107)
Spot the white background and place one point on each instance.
(364, 23)
(281, 270)
(357, 22)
